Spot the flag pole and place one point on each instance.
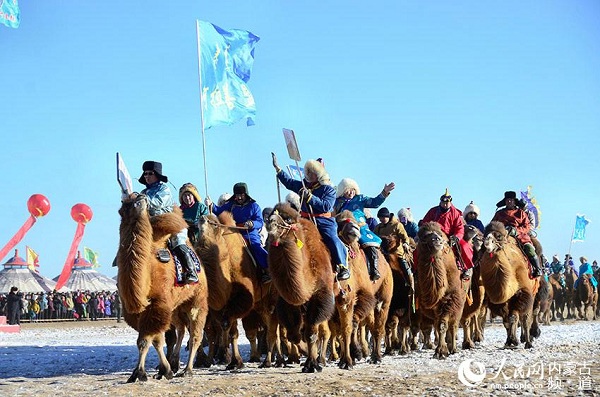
(572, 235)
(201, 108)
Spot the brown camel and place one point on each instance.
(402, 313)
(585, 297)
(147, 286)
(560, 296)
(505, 275)
(439, 290)
(235, 287)
(543, 300)
(475, 292)
(570, 278)
(301, 271)
(359, 300)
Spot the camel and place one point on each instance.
(150, 299)
(235, 288)
(505, 276)
(439, 290)
(570, 277)
(560, 296)
(301, 271)
(402, 311)
(543, 300)
(360, 301)
(585, 297)
(475, 291)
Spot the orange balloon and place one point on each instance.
(38, 205)
(81, 213)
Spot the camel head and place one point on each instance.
(474, 236)
(495, 236)
(133, 206)
(283, 219)
(348, 228)
(390, 242)
(432, 237)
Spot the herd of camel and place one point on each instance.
(305, 311)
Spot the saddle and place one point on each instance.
(164, 255)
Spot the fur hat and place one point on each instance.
(446, 196)
(190, 188)
(223, 199)
(294, 199)
(153, 166)
(471, 208)
(405, 213)
(345, 185)
(318, 168)
(383, 212)
(556, 257)
(241, 188)
(507, 195)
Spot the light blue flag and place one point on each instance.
(226, 59)
(9, 13)
(580, 224)
(296, 172)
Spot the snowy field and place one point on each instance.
(83, 358)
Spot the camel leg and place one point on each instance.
(173, 347)
(391, 335)
(164, 368)
(139, 373)
(467, 341)
(346, 334)
(441, 328)
(236, 358)
(310, 335)
(511, 323)
(273, 341)
(378, 329)
(325, 336)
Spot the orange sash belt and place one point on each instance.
(307, 215)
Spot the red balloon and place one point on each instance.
(38, 205)
(81, 213)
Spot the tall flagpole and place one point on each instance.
(572, 235)
(201, 108)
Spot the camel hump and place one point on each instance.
(168, 223)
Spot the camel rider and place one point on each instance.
(192, 208)
(405, 217)
(586, 268)
(558, 270)
(471, 214)
(451, 222)
(316, 203)
(160, 201)
(388, 225)
(517, 223)
(247, 214)
(349, 198)
(569, 262)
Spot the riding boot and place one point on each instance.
(372, 262)
(264, 276)
(184, 254)
(410, 280)
(343, 273)
(536, 269)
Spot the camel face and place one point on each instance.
(134, 206)
(434, 241)
(349, 231)
(491, 242)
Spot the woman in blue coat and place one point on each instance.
(349, 198)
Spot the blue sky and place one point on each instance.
(475, 96)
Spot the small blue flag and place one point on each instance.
(580, 224)
(226, 59)
(532, 206)
(9, 13)
(296, 172)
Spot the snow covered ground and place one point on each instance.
(565, 360)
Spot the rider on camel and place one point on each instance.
(518, 226)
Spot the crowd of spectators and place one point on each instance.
(78, 305)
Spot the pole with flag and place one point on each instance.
(9, 13)
(225, 60)
(578, 234)
(33, 262)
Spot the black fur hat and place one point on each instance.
(507, 195)
(153, 166)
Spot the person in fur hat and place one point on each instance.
(160, 201)
(193, 208)
(517, 223)
(405, 217)
(349, 198)
(471, 213)
(247, 214)
(451, 221)
(317, 197)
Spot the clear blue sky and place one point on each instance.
(477, 97)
